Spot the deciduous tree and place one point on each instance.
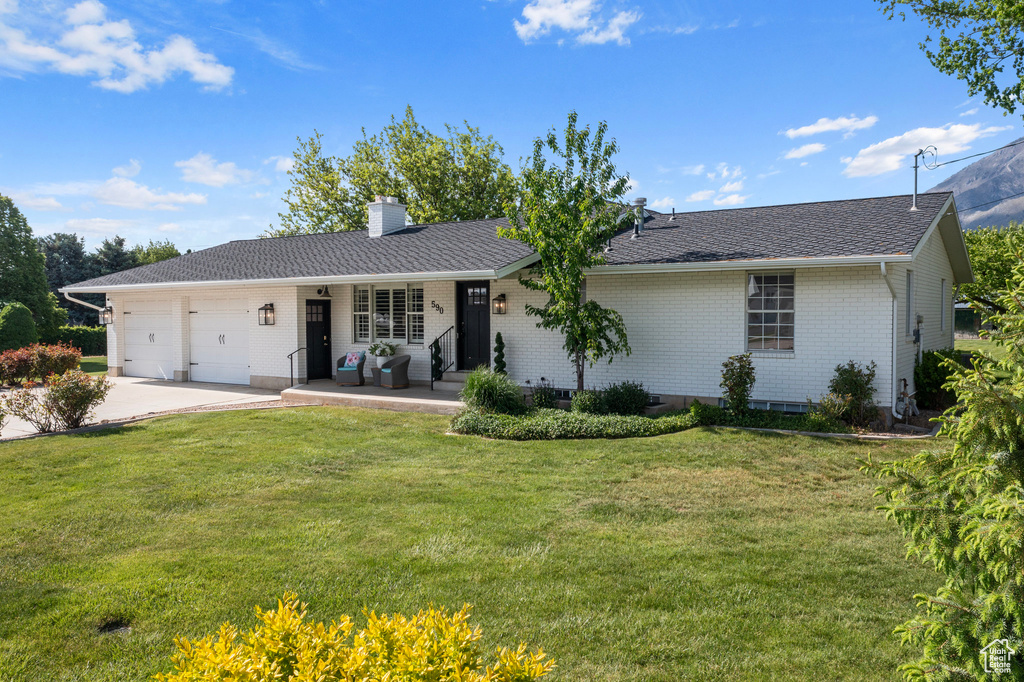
(977, 42)
(460, 176)
(993, 253)
(567, 213)
(154, 252)
(23, 270)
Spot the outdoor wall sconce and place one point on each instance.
(106, 315)
(500, 305)
(266, 314)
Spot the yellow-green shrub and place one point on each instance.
(432, 645)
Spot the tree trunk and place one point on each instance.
(579, 371)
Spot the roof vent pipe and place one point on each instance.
(639, 202)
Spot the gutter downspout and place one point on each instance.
(892, 378)
(952, 320)
(80, 302)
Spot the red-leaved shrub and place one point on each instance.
(65, 402)
(37, 361)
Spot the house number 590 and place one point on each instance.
(435, 306)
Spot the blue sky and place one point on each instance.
(176, 120)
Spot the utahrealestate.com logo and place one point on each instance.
(997, 656)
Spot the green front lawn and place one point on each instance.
(699, 555)
(987, 345)
(94, 365)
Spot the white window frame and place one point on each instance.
(403, 326)
(944, 304)
(909, 317)
(771, 317)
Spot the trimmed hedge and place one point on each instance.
(713, 415)
(558, 424)
(90, 340)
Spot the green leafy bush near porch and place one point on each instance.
(559, 425)
(817, 422)
(488, 391)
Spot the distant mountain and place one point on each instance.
(981, 187)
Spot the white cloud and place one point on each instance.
(576, 17)
(664, 202)
(31, 200)
(89, 44)
(693, 170)
(805, 150)
(730, 200)
(99, 226)
(725, 172)
(970, 112)
(203, 169)
(129, 194)
(768, 173)
(129, 171)
(702, 195)
(891, 154)
(282, 164)
(632, 185)
(734, 186)
(847, 124)
(169, 227)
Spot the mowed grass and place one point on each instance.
(703, 555)
(987, 345)
(94, 365)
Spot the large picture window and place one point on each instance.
(770, 311)
(391, 313)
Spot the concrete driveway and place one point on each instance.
(133, 397)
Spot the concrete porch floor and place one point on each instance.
(412, 399)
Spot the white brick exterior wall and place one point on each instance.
(681, 327)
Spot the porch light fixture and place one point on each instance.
(500, 306)
(266, 314)
(106, 315)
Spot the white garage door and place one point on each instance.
(219, 340)
(147, 345)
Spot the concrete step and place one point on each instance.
(455, 375)
(448, 385)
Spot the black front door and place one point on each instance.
(474, 312)
(318, 340)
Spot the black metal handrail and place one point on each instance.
(291, 365)
(442, 356)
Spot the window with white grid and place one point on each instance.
(770, 311)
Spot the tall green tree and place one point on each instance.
(962, 511)
(23, 270)
(459, 176)
(112, 256)
(154, 252)
(993, 252)
(978, 40)
(66, 263)
(567, 210)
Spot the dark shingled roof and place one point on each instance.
(860, 227)
(857, 227)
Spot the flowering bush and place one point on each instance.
(65, 402)
(432, 645)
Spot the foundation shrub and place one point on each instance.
(542, 395)
(858, 382)
(738, 378)
(930, 377)
(492, 392)
(626, 398)
(713, 415)
(589, 402)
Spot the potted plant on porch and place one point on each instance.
(383, 350)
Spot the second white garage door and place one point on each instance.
(219, 340)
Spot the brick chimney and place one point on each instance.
(386, 216)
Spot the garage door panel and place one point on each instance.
(219, 340)
(148, 340)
